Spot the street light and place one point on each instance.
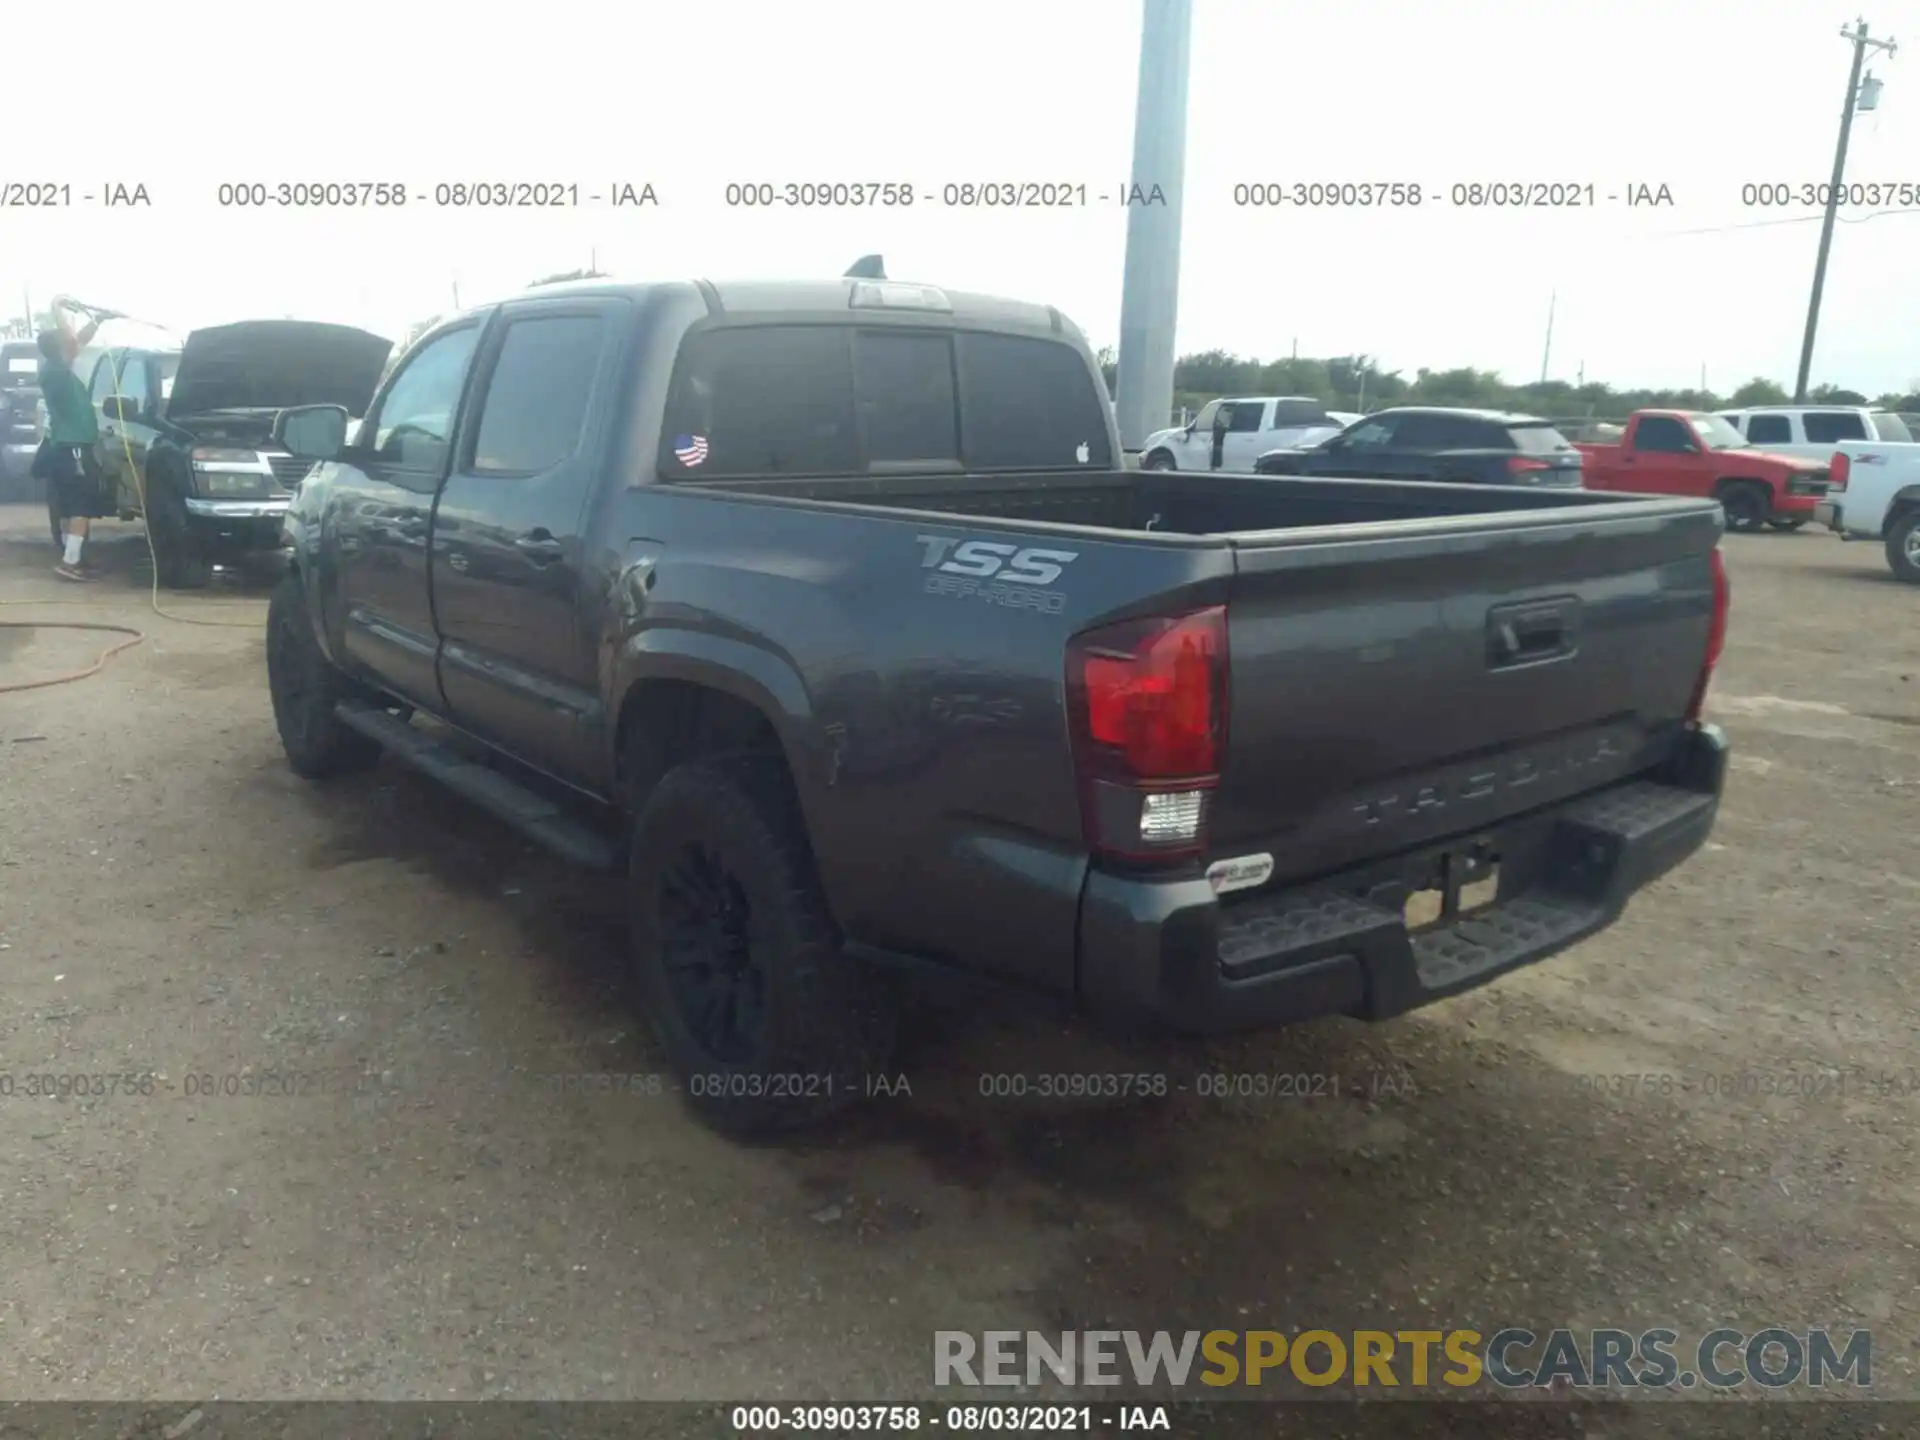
(1861, 95)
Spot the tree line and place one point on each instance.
(1356, 382)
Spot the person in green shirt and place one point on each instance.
(68, 458)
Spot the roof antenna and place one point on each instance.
(867, 267)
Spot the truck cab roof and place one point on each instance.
(928, 305)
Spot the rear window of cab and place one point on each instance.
(796, 400)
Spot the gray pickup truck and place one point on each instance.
(824, 613)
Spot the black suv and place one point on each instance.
(186, 436)
(1471, 447)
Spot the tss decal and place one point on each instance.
(992, 560)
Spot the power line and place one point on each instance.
(1785, 220)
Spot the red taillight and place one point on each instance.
(1837, 475)
(1716, 634)
(1147, 701)
(1520, 465)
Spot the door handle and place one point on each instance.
(1528, 633)
(539, 547)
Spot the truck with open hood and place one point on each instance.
(190, 436)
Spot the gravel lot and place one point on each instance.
(173, 901)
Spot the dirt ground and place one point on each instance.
(173, 902)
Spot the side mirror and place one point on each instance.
(311, 432)
(120, 407)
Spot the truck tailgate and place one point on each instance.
(1388, 690)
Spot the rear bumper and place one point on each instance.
(1827, 513)
(1170, 950)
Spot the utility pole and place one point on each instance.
(1862, 42)
(1547, 354)
(1150, 293)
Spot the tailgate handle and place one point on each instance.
(1533, 632)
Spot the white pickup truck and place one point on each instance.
(1874, 494)
(1255, 425)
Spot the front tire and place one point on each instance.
(178, 553)
(1747, 507)
(1786, 524)
(736, 957)
(1903, 546)
(1157, 460)
(305, 687)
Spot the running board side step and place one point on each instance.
(529, 812)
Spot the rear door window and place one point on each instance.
(1245, 416)
(1891, 428)
(1290, 413)
(1825, 427)
(1537, 439)
(1768, 430)
(1449, 432)
(535, 407)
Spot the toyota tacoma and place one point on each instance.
(825, 615)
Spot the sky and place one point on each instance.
(1703, 98)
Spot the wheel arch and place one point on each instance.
(683, 690)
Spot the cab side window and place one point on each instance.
(1662, 434)
(103, 379)
(415, 423)
(134, 387)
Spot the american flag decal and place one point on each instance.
(690, 449)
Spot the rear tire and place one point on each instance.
(1903, 546)
(305, 687)
(1747, 506)
(736, 958)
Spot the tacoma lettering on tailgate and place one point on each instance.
(1494, 777)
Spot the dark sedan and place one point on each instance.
(1466, 447)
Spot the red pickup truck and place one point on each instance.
(1684, 452)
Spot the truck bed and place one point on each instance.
(1168, 502)
(1409, 661)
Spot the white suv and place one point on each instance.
(1815, 431)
